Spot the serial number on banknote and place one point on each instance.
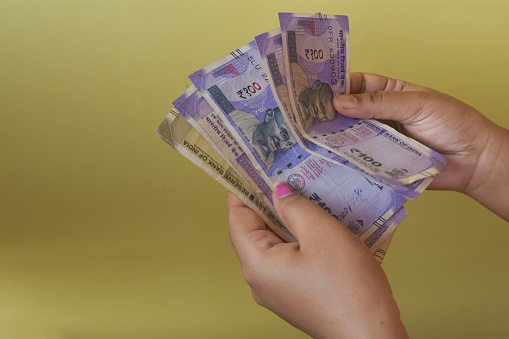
(340, 216)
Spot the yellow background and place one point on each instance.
(106, 232)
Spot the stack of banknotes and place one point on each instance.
(263, 114)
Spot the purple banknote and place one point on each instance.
(237, 89)
(271, 50)
(316, 57)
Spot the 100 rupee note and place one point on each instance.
(184, 138)
(316, 57)
(270, 46)
(263, 114)
(181, 135)
(236, 88)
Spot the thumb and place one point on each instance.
(310, 225)
(405, 107)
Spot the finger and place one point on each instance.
(310, 225)
(366, 82)
(405, 107)
(248, 232)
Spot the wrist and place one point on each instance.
(379, 319)
(385, 322)
(491, 178)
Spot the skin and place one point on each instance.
(476, 149)
(327, 283)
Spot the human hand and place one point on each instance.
(476, 149)
(327, 284)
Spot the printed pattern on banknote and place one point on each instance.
(271, 50)
(264, 114)
(316, 54)
(219, 83)
(181, 135)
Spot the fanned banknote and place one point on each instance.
(262, 115)
(200, 113)
(236, 87)
(203, 117)
(316, 54)
(181, 135)
(270, 46)
(187, 140)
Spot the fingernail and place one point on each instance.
(346, 101)
(282, 189)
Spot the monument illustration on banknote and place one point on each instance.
(263, 114)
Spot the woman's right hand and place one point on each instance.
(476, 149)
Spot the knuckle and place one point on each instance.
(395, 85)
(401, 85)
(376, 97)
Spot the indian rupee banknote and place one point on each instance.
(236, 87)
(316, 58)
(203, 118)
(188, 141)
(263, 114)
(200, 112)
(179, 133)
(270, 46)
